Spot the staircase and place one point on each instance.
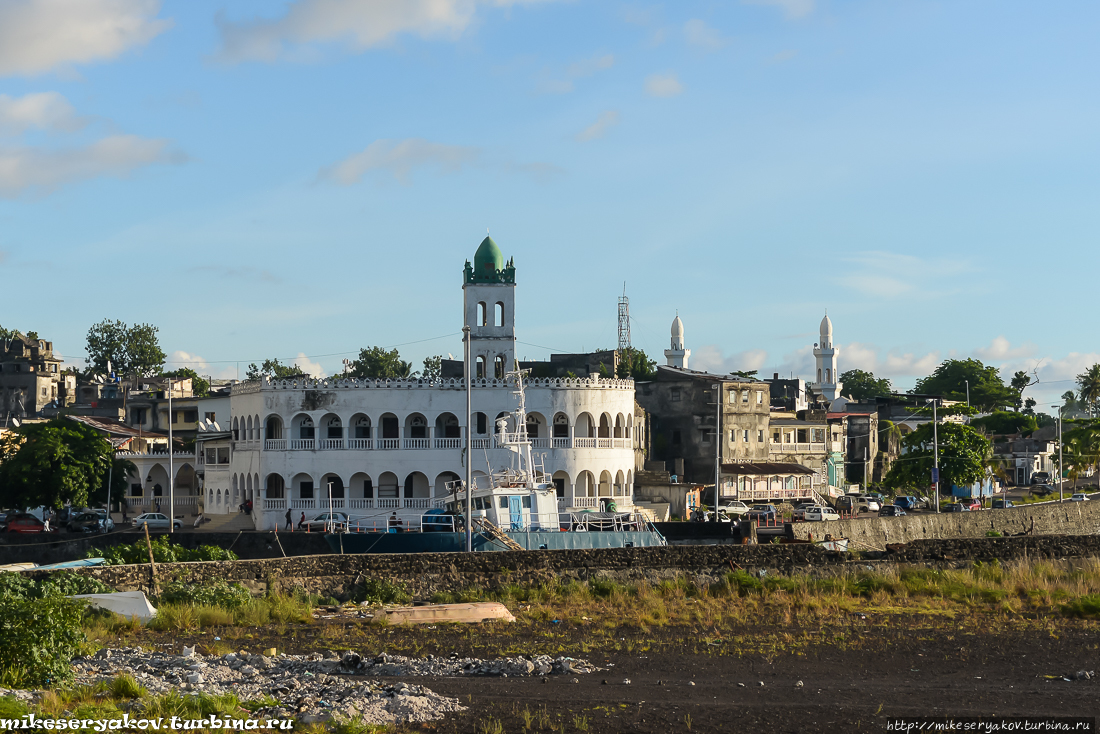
(228, 523)
(491, 531)
(652, 511)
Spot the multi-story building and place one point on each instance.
(383, 446)
(31, 379)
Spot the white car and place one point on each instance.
(820, 513)
(872, 503)
(733, 507)
(155, 521)
(799, 512)
(1079, 497)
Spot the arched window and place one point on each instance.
(498, 367)
(561, 426)
(482, 314)
(480, 373)
(500, 313)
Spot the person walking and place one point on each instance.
(302, 522)
(289, 521)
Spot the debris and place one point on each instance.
(626, 681)
(799, 684)
(761, 684)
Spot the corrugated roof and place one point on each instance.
(114, 427)
(766, 467)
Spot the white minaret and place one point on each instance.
(677, 356)
(827, 382)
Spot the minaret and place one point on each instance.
(827, 382)
(489, 290)
(677, 356)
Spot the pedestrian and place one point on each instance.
(302, 522)
(124, 520)
(198, 521)
(289, 521)
(248, 508)
(395, 523)
(46, 521)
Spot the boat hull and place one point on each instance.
(456, 542)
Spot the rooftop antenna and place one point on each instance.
(624, 322)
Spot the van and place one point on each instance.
(852, 503)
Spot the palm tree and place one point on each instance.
(1089, 381)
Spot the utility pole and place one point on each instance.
(936, 453)
(717, 443)
(1060, 469)
(968, 402)
(469, 456)
(171, 467)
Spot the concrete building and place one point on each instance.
(393, 445)
(31, 379)
(810, 438)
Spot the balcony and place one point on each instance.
(799, 448)
(420, 444)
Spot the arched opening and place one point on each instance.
(605, 426)
(499, 313)
(236, 431)
(561, 425)
(302, 427)
(629, 484)
(585, 427)
(416, 426)
(274, 428)
(498, 367)
(276, 487)
(256, 428)
(536, 426)
(360, 425)
(334, 428)
(303, 486)
(629, 424)
(482, 314)
(390, 426)
(387, 485)
(619, 425)
(620, 483)
(248, 435)
(337, 487)
(441, 483)
(361, 486)
(605, 483)
(446, 426)
(185, 484)
(416, 486)
(481, 424)
(561, 484)
(586, 485)
(480, 373)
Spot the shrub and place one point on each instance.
(164, 551)
(64, 583)
(38, 638)
(1083, 606)
(380, 591)
(214, 594)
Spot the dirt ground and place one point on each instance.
(855, 676)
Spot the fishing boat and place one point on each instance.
(513, 508)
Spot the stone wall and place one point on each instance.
(966, 551)
(1068, 518)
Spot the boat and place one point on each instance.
(516, 509)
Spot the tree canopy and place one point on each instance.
(131, 350)
(1089, 394)
(200, 387)
(433, 367)
(1002, 423)
(860, 385)
(376, 363)
(964, 456)
(55, 463)
(987, 390)
(275, 369)
(635, 364)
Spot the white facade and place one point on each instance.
(828, 378)
(677, 356)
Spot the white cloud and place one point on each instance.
(193, 361)
(697, 33)
(1000, 350)
(577, 70)
(398, 158)
(41, 111)
(25, 169)
(303, 363)
(710, 358)
(663, 85)
(39, 35)
(792, 9)
(599, 127)
(892, 275)
(357, 24)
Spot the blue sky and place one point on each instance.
(307, 178)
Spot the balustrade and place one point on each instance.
(275, 444)
(332, 443)
(448, 443)
(359, 443)
(303, 444)
(584, 443)
(389, 443)
(418, 443)
(275, 504)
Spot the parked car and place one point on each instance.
(106, 517)
(23, 522)
(155, 521)
(907, 502)
(800, 510)
(1042, 490)
(733, 507)
(821, 513)
(891, 511)
(1040, 477)
(85, 522)
(972, 503)
(956, 508)
(338, 521)
(873, 504)
(1002, 504)
(762, 512)
(852, 503)
(1079, 497)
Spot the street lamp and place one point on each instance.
(1060, 469)
(717, 387)
(936, 451)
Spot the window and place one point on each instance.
(759, 397)
(760, 436)
(504, 503)
(733, 396)
(481, 423)
(674, 395)
(527, 502)
(43, 392)
(209, 417)
(706, 434)
(54, 366)
(775, 436)
(818, 435)
(137, 415)
(306, 490)
(135, 490)
(211, 456)
(745, 396)
(733, 436)
(500, 313)
(223, 455)
(676, 438)
(745, 435)
(482, 315)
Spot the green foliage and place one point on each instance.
(125, 686)
(433, 368)
(62, 583)
(376, 363)
(8, 334)
(964, 454)
(1083, 606)
(38, 639)
(52, 464)
(380, 591)
(1004, 422)
(216, 593)
(131, 350)
(860, 385)
(274, 369)
(164, 551)
(636, 364)
(987, 390)
(200, 387)
(1089, 382)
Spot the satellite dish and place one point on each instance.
(216, 426)
(16, 422)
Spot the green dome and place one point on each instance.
(488, 259)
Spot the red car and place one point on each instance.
(24, 523)
(973, 504)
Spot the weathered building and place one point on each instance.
(31, 378)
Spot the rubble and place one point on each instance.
(312, 688)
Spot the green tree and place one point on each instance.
(964, 455)
(987, 390)
(1020, 382)
(1089, 382)
(130, 350)
(1003, 423)
(861, 385)
(199, 385)
(1069, 404)
(275, 369)
(7, 334)
(55, 463)
(635, 364)
(376, 363)
(433, 367)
